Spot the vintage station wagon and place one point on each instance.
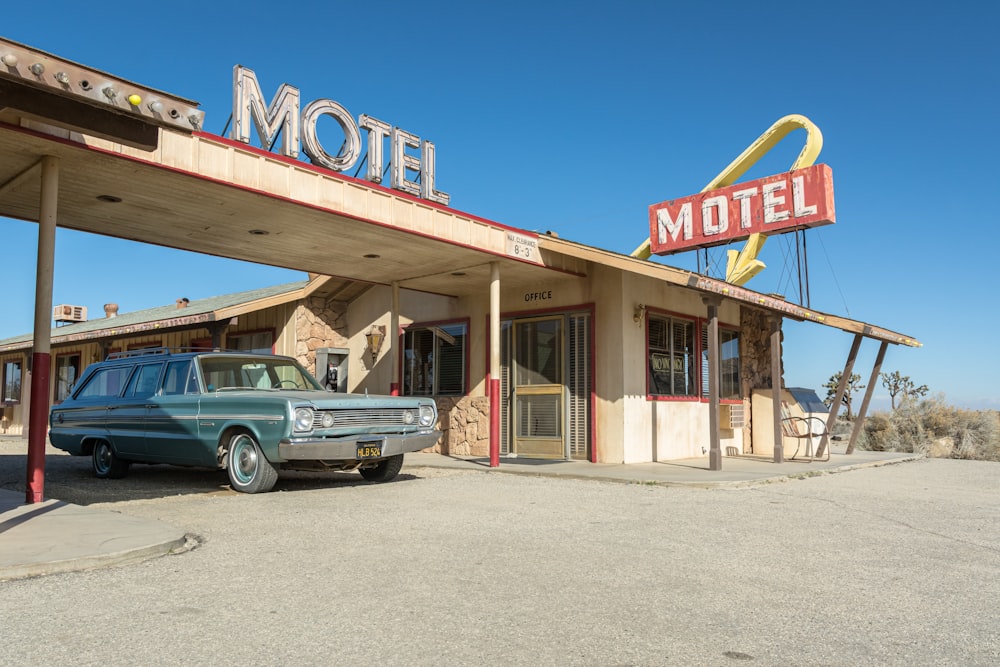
(250, 414)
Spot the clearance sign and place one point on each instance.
(774, 204)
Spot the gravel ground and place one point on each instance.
(890, 566)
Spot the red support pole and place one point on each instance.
(494, 422)
(38, 426)
(38, 413)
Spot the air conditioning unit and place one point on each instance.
(65, 313)
(731, 416)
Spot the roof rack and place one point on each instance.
(146, 351)
(138, 353)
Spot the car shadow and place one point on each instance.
(71, 479)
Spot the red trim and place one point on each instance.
(38, 418)
(307, 166)
(394, 389)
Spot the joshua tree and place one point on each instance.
(853, 386)
(902, 386)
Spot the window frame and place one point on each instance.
(415, 327)
(670, 317)
(55, 375)
(7, 363)
(703, 362)
(246, 334)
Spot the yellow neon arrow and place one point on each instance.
(744, 266)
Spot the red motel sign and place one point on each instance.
(774, 204)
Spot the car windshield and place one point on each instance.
(229, 372)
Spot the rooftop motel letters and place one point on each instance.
(282, 116)
(781, 203)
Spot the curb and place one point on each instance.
(84, 563)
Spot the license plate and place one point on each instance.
(370, 449)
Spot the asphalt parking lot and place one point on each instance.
(884, 566)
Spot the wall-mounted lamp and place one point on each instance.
(375, 338)
(639, 314)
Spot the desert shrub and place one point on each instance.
(915, 425)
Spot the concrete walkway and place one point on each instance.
(736, 471)
(53, 536)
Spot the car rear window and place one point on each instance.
(105, 383)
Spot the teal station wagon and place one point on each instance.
(250, 414)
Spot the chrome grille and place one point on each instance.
(368, 417)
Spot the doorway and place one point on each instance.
(546, 386)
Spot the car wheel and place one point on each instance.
(385, 470)
(107, 465)
(248, 468)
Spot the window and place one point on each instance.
(67, 372)
(144, 381)
(671, 356)
(12, 382)
(434, 360)
(105, 383)
(179, 379)
(251, 342)
(729, 363)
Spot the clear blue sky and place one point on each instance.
(575, 117)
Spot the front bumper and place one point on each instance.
(346, 448)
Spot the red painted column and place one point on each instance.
(494, 380)
(38, 413)
(395, 357)
(494, 423)
(38, 424)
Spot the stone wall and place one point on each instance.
(465, 424)
(318, 323)
(755, 361)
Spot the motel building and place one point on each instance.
(533, 346)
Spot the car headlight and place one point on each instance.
(303, 419)
(407, 417)
(426, 415)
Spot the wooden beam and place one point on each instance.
(863, 410)
(831, 421)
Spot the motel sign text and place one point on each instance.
(283, 116)
(782, 203)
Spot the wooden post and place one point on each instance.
(779, 441)
(863, 410)
(831, 421)
(715, 443)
